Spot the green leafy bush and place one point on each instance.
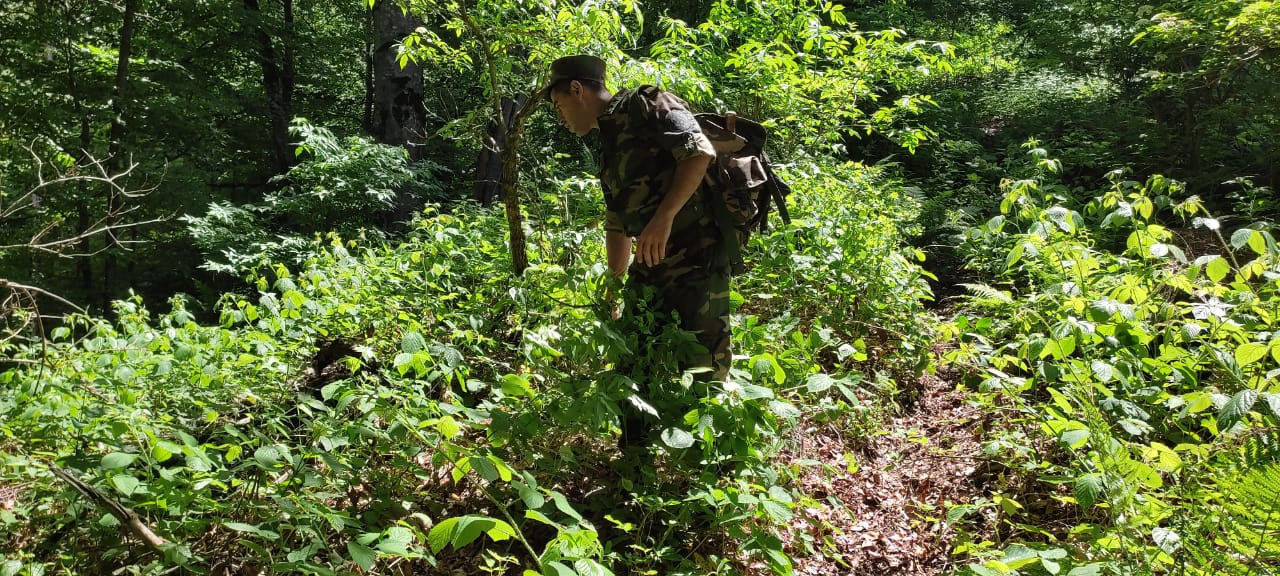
(352, 186)
(376, 404)
(1137, 361)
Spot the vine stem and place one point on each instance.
(519, 534)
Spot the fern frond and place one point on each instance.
(1242, 536)
(982, 293)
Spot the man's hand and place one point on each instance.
(651, 246)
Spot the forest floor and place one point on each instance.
(882, 500)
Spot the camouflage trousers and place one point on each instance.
(693, 286)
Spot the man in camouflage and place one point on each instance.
(653, 157)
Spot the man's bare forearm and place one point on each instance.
(618, 250)
(684, 182)
(651, 247)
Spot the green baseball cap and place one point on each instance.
(578, 67)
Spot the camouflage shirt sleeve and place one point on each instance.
(613, 222)
(673, 126)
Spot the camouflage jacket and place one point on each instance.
(643, 134)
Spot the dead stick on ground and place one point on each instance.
(130, 519)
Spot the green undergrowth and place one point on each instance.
(1127, 347)
(412, 408)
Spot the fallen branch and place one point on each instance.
(127, 517)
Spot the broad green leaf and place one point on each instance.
(1165, 459)
(784, 410)
(1250, 352)
(396, 541)
(562, 504)
(1240, 237)
(1015, 254)
(1087, 489)
(554, 568)
(516, 385)
(1236, 408)
(1217, 269)
(448, 427)
(1053, 553)
(1258, 242)
(403, 362)
(754, 392)
(1059, 348)
(589, 567)
(484, 468)
(267, 456)
(1273, 402)
(116, 460)
(777, 512)
(469, 528)
(125, 483)
(1168, 540)
(677, 438)
(412, 342)
(441, 534)
(531, 497)
(363, 556)
(981, 570)
(1074, 439)
(1017, 556)
(1102, 370)
(819, 383)
(241, 527)
(161, 453)
(540, 517)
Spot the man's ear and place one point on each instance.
(575, 88)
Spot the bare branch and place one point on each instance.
(90, 171)
(15, 287)
(130, 520)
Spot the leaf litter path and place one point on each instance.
(882, 500)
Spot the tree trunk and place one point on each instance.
(489, 166)
(523, 107)
(115, 149)
(277, 81)
(84, 264)
(399, 116)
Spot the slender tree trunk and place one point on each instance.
(488, 171)
(277, 81)
(399, 115)
(115, 149)
(511, 182)
(368, 90)
(84, 264)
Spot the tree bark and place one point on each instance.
(488, 172)
(511, 181)
(84, 265)
(399, 115)
(115, 148)
(277, 81)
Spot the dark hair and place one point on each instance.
(562, 86)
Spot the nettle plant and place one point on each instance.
(1142, 366)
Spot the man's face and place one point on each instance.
(571, 109)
